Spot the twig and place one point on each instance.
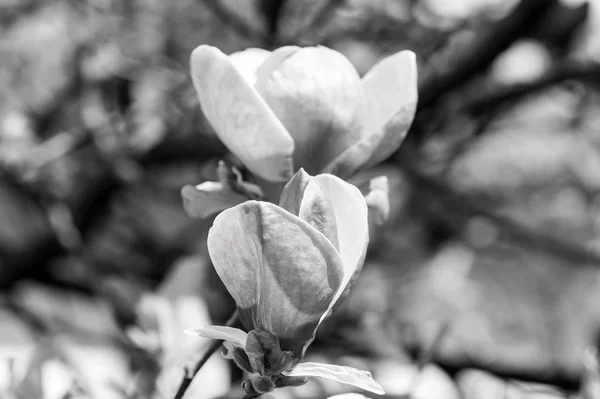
(566, 379)
(463, 206)
(237, 23)
(487, 45)
(271, 10)
(319, 20)
(190, 374)
(570, 69)
(428, 353)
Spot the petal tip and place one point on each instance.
(202, 51)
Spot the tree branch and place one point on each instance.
(486, 46)
(190, 374)
(458, 207)
(238, 24)
(319, 20)
(570, 69)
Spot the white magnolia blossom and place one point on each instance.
(301, 108)
(288, 267)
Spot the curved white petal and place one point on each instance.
(240, 117)
(248, 61)
(234, 335)
(351, 215)
(378, 199)
(273, 62)
(293, 191)
(345, 375)
(318, 211)
(389, 86)
(390, 89)
(318, 96)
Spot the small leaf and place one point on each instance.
(234, 335)
(209, 198)
(241, 359)
(287, 381)
(232, 178)
(265, 353)
(345, 375)
(261, 384)
(255, 349)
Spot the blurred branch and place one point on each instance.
(455, 207)
(271, 10)
(322, 17)
(569, 69)
(214, 346)
(27, 236)
(561, 25)
(554, 376)
(231, 18)
(427, 354)
(478, 55)
(12, 13)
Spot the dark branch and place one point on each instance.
(234, 20)
(561, 72)
(457, 207)
(271, 10)
(476, 57)
(315, 26)
(214, 346)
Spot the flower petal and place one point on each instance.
(240, 117)
(391, 92)
(274, 61)
(282, 273)
(323, 111)
(351, 216)
(378, 199)
(317, 210)
(293, 191)
(389, 86)
(209, 198)
(234, 335)
(248, 62)
(345, 375)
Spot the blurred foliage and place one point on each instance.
(489, 261)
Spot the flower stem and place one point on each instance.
(190, 374)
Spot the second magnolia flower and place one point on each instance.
(305, 108)
(287, 267)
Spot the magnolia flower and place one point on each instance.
(300, 108)
(287, 267)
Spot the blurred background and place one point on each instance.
(484, 283)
